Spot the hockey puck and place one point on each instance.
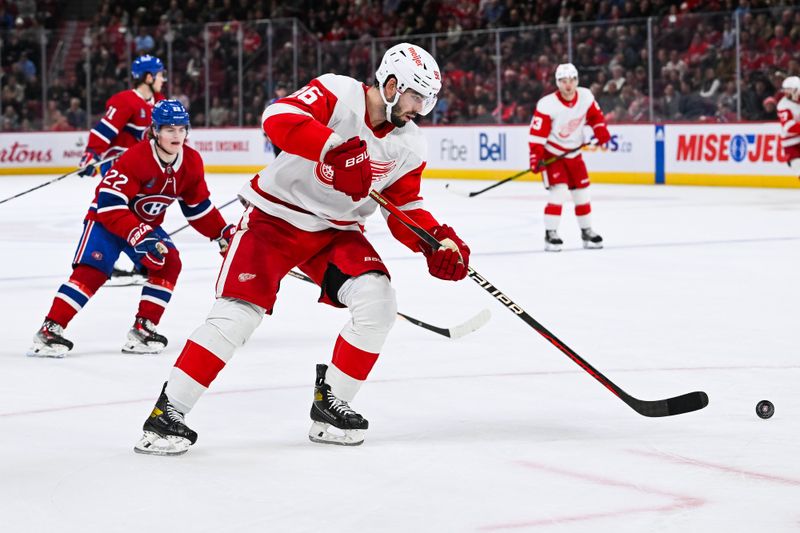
(765, 409)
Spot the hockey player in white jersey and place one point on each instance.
(789, 116)
(556, 128)
(307, 210)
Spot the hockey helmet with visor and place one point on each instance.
(145, 64)
(414, 69)
(169, 113)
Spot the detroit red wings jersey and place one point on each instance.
(298, 188)
(558, 124)
(124, 123)
(789, 115)
(138, 188)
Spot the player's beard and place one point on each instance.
(397, 119)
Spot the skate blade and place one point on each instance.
(154, 444)
(131, 347)
(589, 245)
(54, 352)
(125, 281)
(320, 433)
(552, 247)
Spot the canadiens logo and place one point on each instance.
(380, 170)
(151, 206)
(569, 128)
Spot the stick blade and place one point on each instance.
(473, 324)
(685, 403)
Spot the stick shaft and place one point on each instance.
(68, 174)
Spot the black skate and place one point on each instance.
(327, 410)
(165, 432)
(126, 278)
(591, 239)
(552, 242)
(143, 338)
(49, 341)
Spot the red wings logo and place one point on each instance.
(380, 171)
(569, 128)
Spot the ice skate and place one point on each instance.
(126, 278)
(591, 240)
(165, 432)
(49, 341)
(329, 411)
(143, 338)
(552, 242)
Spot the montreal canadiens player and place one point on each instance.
(340, 139)
(127, 115)
(124, 123)
(789, 116)
(556, 128)
(125, 217)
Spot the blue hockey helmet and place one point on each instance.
(169, 113)
(144, 64)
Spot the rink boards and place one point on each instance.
(728, 154)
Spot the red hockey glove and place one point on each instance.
(225, 238)
(149, 247)
(601, 134)
(536, 153)
(451, 261)
(89, 157)
(352, 172)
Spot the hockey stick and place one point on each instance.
(130, 274)
(70, 173)
(539, 168)
(684, 403)
(226, 204)
(473, 324)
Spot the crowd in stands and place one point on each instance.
(694, 55)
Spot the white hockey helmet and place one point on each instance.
(566, 70)
(414, 68)
(791, 86)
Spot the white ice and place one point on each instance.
(696, 289)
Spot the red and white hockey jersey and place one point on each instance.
(789, 115)
(139, 189)
(126, 119)
(557, 125)
(298, 187)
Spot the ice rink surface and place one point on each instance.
(697, 289)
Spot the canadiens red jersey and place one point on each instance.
(139, 188)
(124, 123)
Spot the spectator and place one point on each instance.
(144, 41)
(769, 109)
(76, 116)
(10, 119)
(671, 103)
(710, 84)
(60, 122)
(25, 67)
(218, 114)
